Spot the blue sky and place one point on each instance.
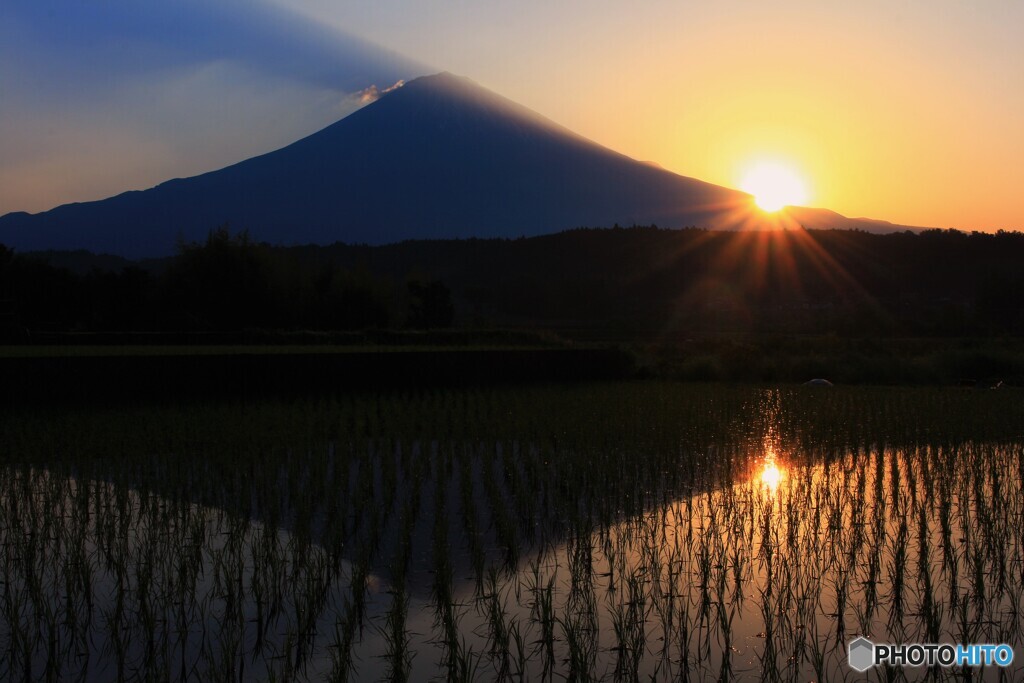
(907, 111)
(102, 97)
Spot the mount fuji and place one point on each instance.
(440, 157)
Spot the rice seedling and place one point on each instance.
(618, 532)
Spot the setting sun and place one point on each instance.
(774, 186)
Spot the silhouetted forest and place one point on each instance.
(641, 283)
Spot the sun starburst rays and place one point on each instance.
(774, 185)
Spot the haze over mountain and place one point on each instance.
(440, 157)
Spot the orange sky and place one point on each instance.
(905, 111)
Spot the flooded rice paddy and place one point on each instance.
(607, 532)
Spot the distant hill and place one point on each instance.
(438, 158)
(606, 284)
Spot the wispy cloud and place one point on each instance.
(102, 97)
(373, 93)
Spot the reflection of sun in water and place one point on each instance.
(771, 475)
(773, 185)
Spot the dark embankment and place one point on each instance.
(187, 374)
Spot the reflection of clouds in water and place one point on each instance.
(798, 570)
(235, 582)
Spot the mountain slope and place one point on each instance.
(440, 157)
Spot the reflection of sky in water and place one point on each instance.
(772, 573)
(771, 473)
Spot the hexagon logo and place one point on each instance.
(862, 654)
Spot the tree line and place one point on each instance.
(635, 283)
(229, 282)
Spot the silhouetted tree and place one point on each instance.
(607, 284)
(430, 305)
(117, 300)
(223, 283)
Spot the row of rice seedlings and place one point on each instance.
(139, 548)
(501, 519)
(499, 642)
(470, 520)
(842, 569)
(445, 620)
(237, 597)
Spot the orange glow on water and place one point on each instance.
(771, 475)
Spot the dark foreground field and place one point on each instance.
(183, 372)
(632, 530)
(117, 367)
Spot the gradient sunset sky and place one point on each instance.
(905, 111)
